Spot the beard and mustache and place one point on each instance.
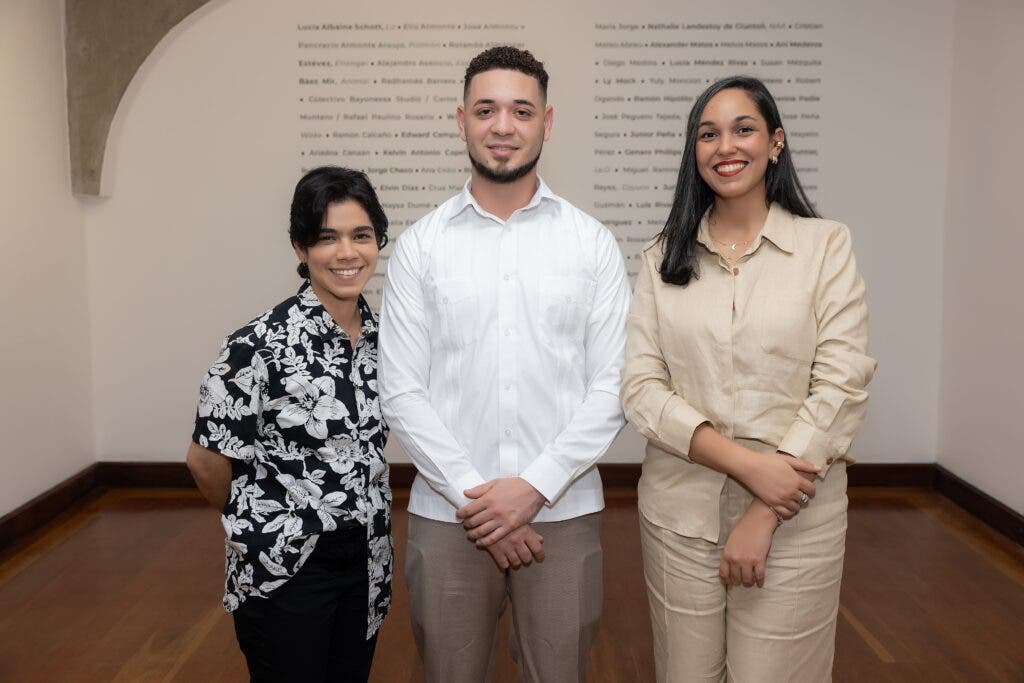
(502, 176)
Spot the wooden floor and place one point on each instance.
(127, 588)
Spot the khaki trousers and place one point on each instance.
(781, 633)
(458, 596)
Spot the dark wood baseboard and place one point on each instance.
(620, 475)
(1003, 519)
(627, 475)
(920, 475)
(26, 518)
(401, 475)
(103, 475)
(614, 475)
(144, 474)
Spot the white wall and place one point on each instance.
(45, 398)
(890, 91)
(191, 243)
(921, 99)
(983, 326)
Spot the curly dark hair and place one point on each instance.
(507, 57)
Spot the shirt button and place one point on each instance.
(508, 333)
(444, 300)
(735, 271)
(507, 278)
(828, 461)
(508, 387)
(508, 432)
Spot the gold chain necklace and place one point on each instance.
(732, 245)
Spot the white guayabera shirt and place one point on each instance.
(501, 345)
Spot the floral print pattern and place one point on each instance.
(296, 410)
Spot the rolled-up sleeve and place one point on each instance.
(651, 405)
(834, 409)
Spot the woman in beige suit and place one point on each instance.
(746, 367)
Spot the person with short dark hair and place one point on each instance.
(502, 334)
(506, 58)
(289, 443)
(746, 368)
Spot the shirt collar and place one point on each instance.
(778, 229)
(320, 323)
(466, 199)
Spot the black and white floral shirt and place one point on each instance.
(297, 412)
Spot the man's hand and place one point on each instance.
(517, 549)
(746, 549)
(499, 507)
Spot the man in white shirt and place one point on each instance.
(501, 339)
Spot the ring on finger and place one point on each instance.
(804, 499)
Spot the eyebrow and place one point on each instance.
(735, 120)
(324, 228)
(518, 102)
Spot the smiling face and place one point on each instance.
(504, 121)
(733, 145)
(344, 257)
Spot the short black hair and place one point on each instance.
(327, 185)
(510, 58)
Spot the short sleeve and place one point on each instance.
(230, 401)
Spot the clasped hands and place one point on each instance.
(498, 520)
(499, 515)
(781, 484)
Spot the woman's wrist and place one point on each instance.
(765, 514)
(743, 464)
(710, 448)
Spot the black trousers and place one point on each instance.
(313, 628)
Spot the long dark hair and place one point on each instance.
(693, 196)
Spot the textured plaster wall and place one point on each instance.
(106, 42)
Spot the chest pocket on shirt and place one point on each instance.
(565, 304)
(457, 305)
(787, 325)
